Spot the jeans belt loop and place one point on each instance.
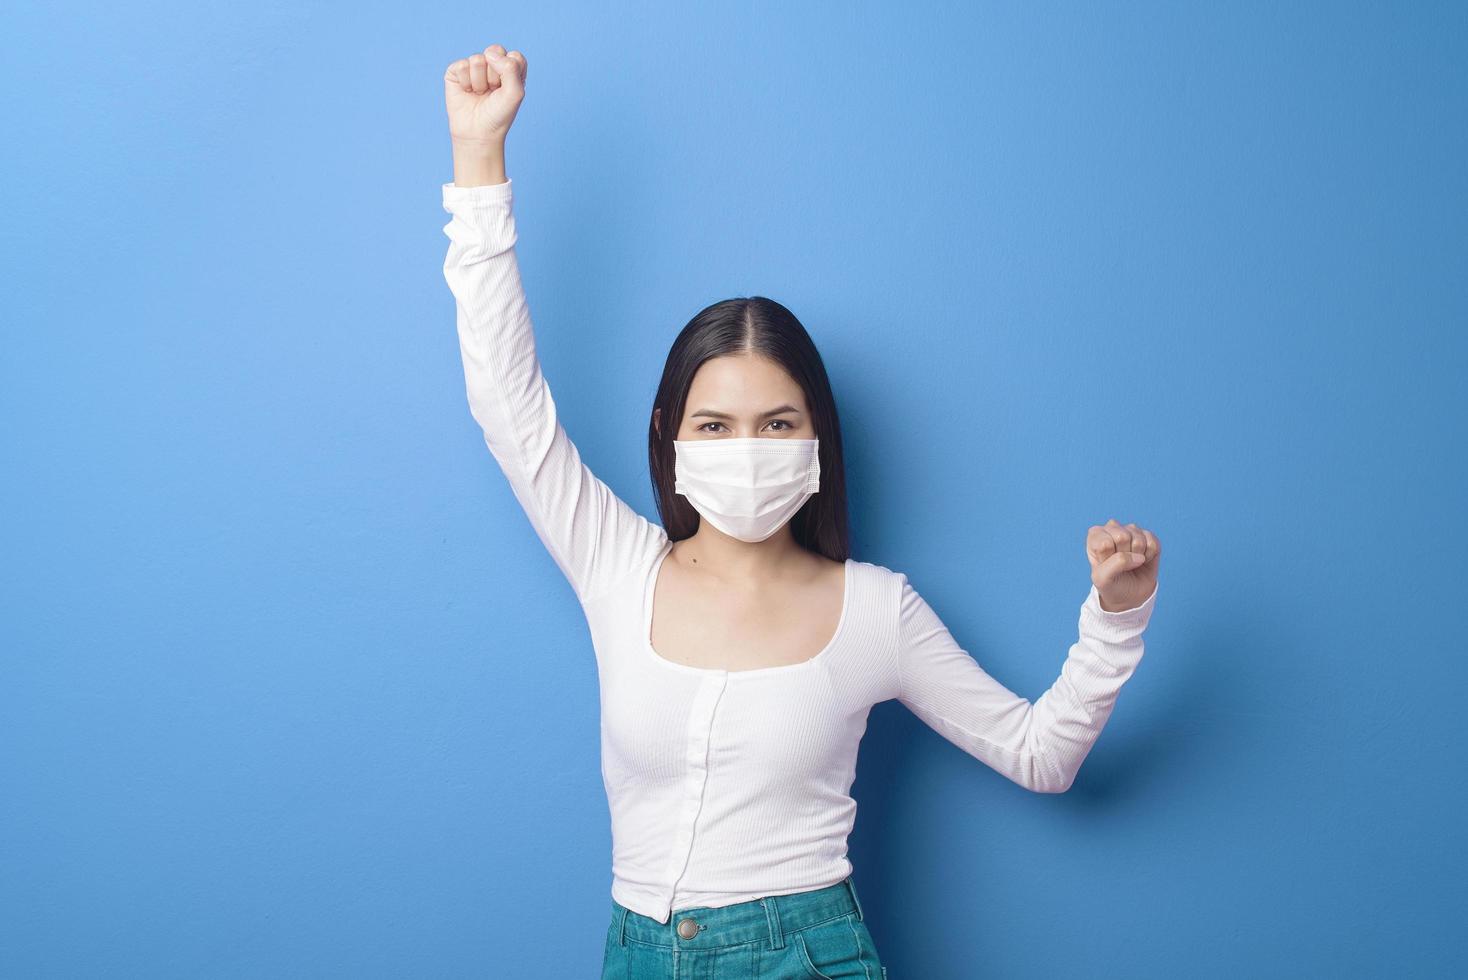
(622, 928)
(772, 916)
(851, 887)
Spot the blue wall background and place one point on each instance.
(290, 688)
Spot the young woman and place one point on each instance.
(739, 647)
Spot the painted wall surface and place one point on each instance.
(289, 688)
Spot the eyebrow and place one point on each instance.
(710, 413)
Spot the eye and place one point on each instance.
(784, 426)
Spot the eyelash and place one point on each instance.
(781, 421)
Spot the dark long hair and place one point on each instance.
(759, 325)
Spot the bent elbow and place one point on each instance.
(1047, 776)
(1053, 786)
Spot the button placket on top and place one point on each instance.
(700, 728)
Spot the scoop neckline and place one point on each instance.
(650, 591)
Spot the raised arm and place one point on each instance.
(593, 536)
(1040, 746)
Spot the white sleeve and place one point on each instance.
(593, 536)
(1040, 746)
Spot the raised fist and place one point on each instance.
(1123, 564)
(482, 94)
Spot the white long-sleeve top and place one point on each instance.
(725, 786)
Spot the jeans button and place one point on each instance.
(688, 928)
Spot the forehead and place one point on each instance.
(742, 381)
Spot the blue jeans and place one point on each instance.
(814, 935)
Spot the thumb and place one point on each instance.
(1112, 568)
(507, 70)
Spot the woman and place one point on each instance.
(740, 650)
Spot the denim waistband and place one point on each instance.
(767, 919)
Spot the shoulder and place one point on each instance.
(879, 573)
(884, 584)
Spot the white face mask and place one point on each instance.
(747, 488)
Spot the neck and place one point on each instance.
(711, 550)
